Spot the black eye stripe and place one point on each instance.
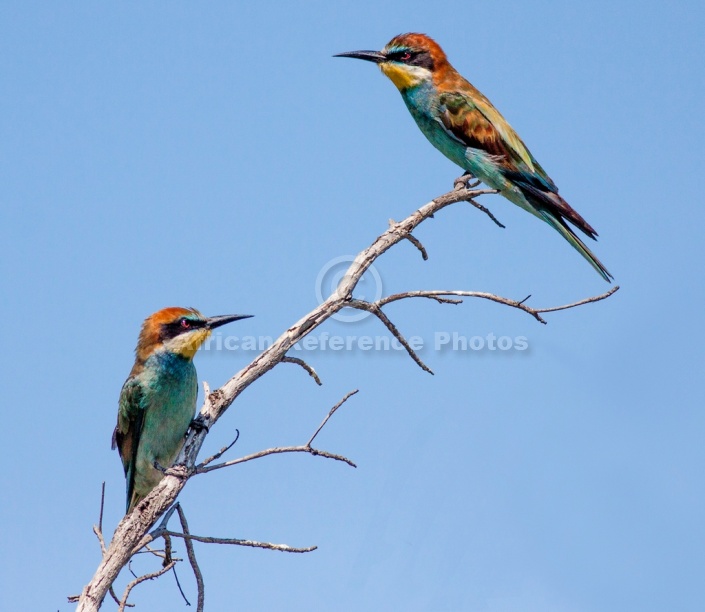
(412, 58)
(180, 326)
(401, 56)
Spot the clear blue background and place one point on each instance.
(215, 155)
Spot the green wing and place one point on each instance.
(478, 124)
(127, 432)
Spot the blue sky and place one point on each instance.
(215, 155)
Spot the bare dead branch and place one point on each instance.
(534, 312)
(191, 553)
(306, 448)
(277, 451)
(133, 530)
(238, 542)
(304, 365)
(330, 414)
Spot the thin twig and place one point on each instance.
(277, 451)
(467, 182)
(76, 598)
(589, 300)
(220, 453)
(191, 553)
(304, 365)
(102, 505)
(111, 590)
(487, 212)
(178, 585)
(162, 554)
(136, 581)
(238, 542)
(330, 414)
(375, 309)
(98, 529)
(415, 241)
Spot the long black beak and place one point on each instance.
(213, 322)
(369, 56)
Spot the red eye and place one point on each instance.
(185, 323)
(405, 56)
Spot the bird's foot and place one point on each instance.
(466, 181)
(198, 425)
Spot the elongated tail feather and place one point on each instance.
(550, 199)
(555, 211)
(562, 228)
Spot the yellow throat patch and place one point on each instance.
(186, 345)
(405, 76)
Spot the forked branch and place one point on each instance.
(130, 533)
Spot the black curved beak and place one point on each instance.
(213, 322)
(369, 56)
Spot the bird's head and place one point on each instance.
(408, 59)
(178, 330)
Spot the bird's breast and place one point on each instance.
(421, 104)
(171, 391)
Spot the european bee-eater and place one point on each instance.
(463, 125)
(158, 400)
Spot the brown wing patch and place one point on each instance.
(469, 125)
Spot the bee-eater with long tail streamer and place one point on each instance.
(463, 125)
(158, 399)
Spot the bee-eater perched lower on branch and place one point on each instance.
(463, 125)
(158, 399)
